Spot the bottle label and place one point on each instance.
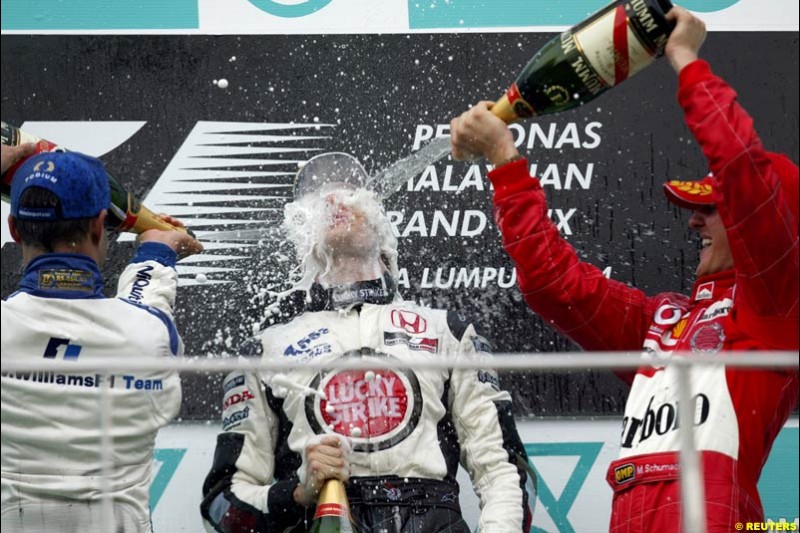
(330, 509)
(25, 137)
(521, 107)
(611, 47)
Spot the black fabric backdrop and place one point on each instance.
(378, 89)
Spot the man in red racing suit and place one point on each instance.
(745, 298)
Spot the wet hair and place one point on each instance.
(46, 234)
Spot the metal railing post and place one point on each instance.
(693, 508)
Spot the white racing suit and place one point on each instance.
(51, 434)
(409, 429)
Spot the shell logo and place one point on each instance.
(679, 328)
(692, 187)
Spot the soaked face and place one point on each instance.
(347, 229)
(331, 225)
(715, 254)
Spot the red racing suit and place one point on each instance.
(751, 307)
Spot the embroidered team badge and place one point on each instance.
(708, 339)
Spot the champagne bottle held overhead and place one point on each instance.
(571, 69)
(333, 510)
(588, 59)
(125, 213)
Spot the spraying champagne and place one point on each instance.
(125, 213)
(570, 70)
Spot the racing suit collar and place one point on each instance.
(712, 286)
(61, 275)
(374, 291)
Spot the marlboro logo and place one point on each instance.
(705, 291)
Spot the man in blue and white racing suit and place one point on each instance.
(51, 438)
(395, 436)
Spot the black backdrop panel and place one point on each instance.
(379, 91)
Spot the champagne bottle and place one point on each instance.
(125, 213)
(569, 70)
(588, 59)
(333, 510)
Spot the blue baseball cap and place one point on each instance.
(79, 181)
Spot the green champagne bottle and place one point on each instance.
(333, 510)
(569, 70)
(125, 213)
(588, 59)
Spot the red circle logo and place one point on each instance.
(373, 403)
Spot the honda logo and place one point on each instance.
(408, 321)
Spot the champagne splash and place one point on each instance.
(388, 181)
(571, 69)
(246, 234)
(306, 223)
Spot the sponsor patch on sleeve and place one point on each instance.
(236, 398)
(235, 419)
(232, 383)
(481, 344)
(490, 377)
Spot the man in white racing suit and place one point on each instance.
(404, 431)
(51, 437)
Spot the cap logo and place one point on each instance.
(691, 187)
(50, 166)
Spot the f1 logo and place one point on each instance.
(408, 321)
(70, 353)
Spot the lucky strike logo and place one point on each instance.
(377, 409)
(408, 321)
(374, 402)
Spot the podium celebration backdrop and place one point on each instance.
(134, 83)
(224, 159)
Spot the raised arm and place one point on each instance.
(575, 297)
(755, 191)
(150, 277)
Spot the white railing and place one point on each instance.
(692, 490)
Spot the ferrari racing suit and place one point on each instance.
(751, 307)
